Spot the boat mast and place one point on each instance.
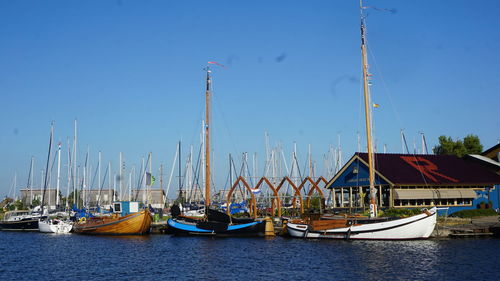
(75, 177)
(30, 180)
(58, 173)
(207, 140)
(373, 204)
(47, 167)
(179, 169)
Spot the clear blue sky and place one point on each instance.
(131, 72)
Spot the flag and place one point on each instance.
(216, 63)
(150, 179)
(376, 105)
(255, 190)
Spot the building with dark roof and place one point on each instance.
(410, 181)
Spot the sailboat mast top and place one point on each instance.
(366, 91)
(207, 139)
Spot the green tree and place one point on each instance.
(36, 202)
(469, 145)
(473, 144)
(18, 205)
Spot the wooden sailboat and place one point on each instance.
(214, 222)
(416, 227)
(127, 219)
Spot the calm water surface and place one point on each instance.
(36, 256)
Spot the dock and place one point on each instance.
(467, 228)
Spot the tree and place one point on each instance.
(469, 145)
(473, 144)
(18, 205)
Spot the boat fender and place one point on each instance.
(82, 219)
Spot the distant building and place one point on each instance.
(414, 181)
(221, 196)
(195, 194)
(155, 197)
(103, 198)
(30, 195)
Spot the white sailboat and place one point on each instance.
(419, 226)
(55, 225)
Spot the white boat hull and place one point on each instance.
(54, 226)
(416, 227)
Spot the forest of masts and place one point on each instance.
(185, 177)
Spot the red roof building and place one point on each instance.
(408, 180)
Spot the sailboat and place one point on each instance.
(55, 225)
(214, 223)
(419, 226)
(127, 219)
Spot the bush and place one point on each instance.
(474, 213)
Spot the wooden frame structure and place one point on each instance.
(276, 200)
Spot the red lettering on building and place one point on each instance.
(426, 167)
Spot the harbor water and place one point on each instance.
(36, 256)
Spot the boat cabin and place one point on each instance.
(126, 207)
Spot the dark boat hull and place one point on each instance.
(213, 228)
(21, 225)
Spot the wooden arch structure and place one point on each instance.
(297, 192)
(253, 202)
(314, 187)
(276, 200)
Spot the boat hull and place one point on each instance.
(133, 224)
(416, 227)
(50, 227)
(178, 227)
(21, 225)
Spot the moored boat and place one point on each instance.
(127, 219)
(419, 226)
(21, 220)
(415, 227)
(54, 226)
(212, 222)
(216, 223)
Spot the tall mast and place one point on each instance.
(30, 179)
(150, 198)
(58, 173)
(69, 173)
(47, 167)
(373, 205)
(179, 168)
(207, 140)
(120, 176)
